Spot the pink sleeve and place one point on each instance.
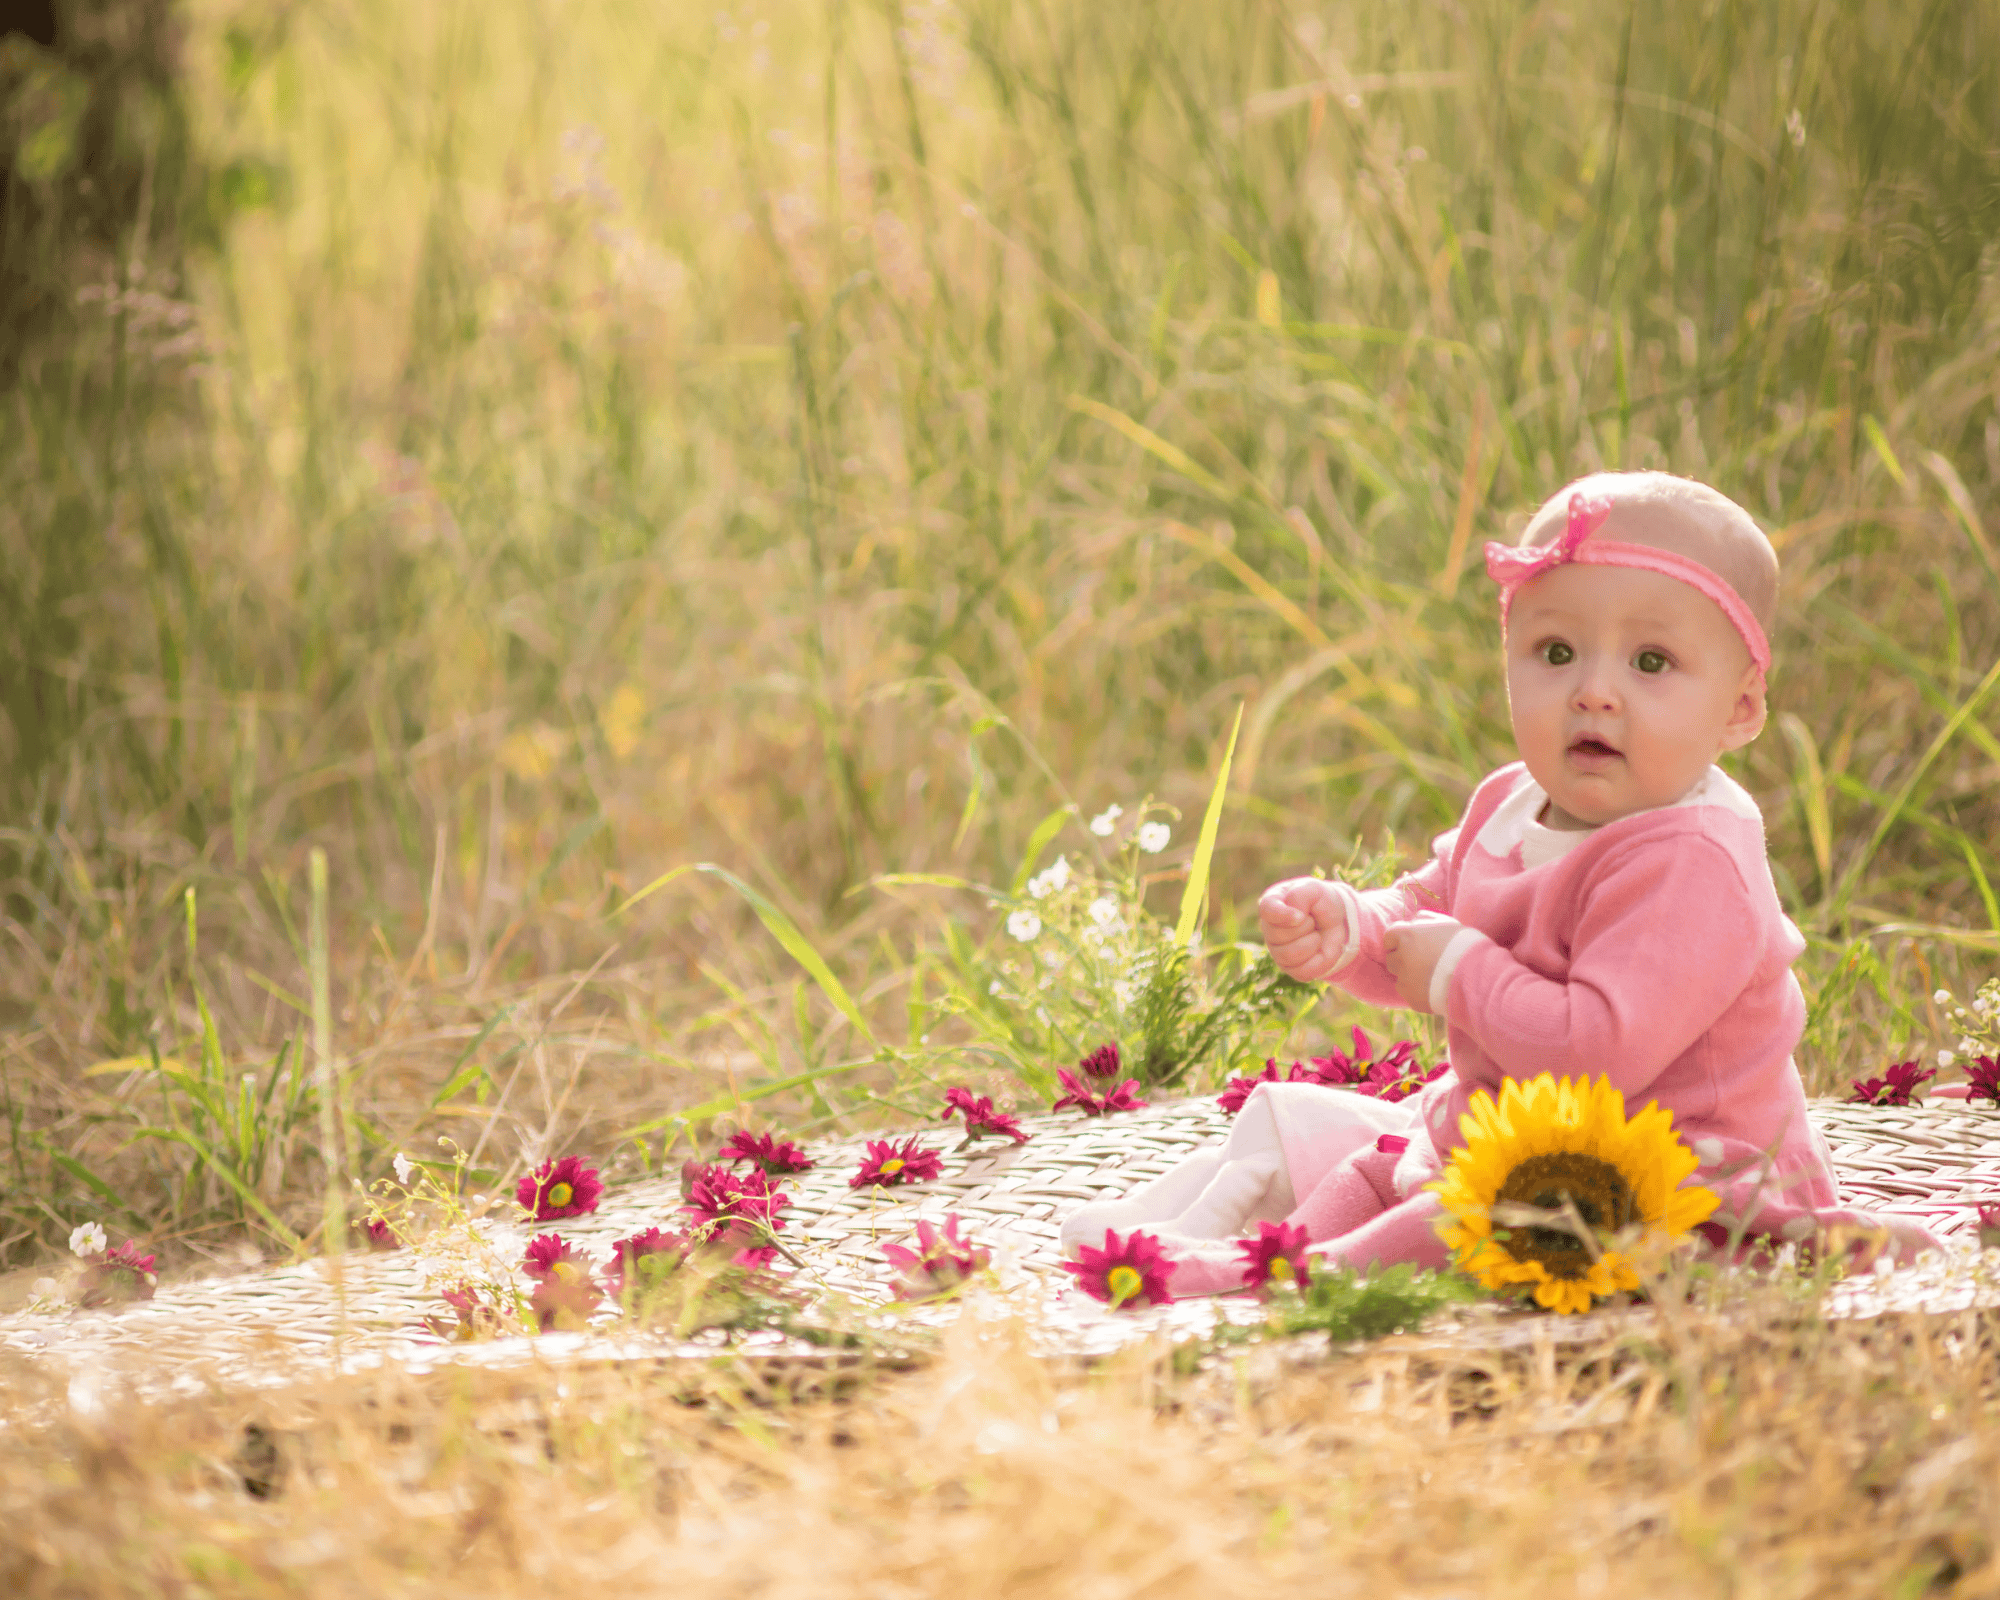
(1370, 913)
(1669, 937)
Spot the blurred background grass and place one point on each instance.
(520, 448)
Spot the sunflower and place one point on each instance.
(1553, 1141)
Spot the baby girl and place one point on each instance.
(1603, 907)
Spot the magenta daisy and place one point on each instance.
(1275, 1257)
(1989, 1227)
(565, 1291)
(940, 1263)
(1102, 1062)
(1238, 1089)
(773, 1156)
(644, 1261)
(1125, 1271)
(980, 1117)
(113, 1277)
(1398, 1075)
(1894, 1088)
(377, 1234)
(1078, 1093)
(565, 1188)
(1982, 1077)
(888, 1164)
(717, 1196)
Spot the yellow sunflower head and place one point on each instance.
(1552, 1144)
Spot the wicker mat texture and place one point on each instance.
(1932, 1162)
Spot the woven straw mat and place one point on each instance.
(1930, 1162)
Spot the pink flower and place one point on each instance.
(774, 1157)
(470, 1317)
(565, 1291)
(1122, 1098)
(1101, 1063)
(980, 1117)
(1276, 1256)
(565, 1188)
(1982, 1076)
(1989, 1227)
(1125, 1272)
(1238, 1089)
(1398, 1075)
(378, 1234)
(716, 1196)
(888, 1164)
(1894, 1088)
(114, 1277)
(644, 1261)
(940, 1263)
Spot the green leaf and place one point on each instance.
(782, 928)
(222, 1170)
(1038, 841)
(1204, 850)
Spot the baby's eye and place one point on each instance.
(1650, 661)
(1556, 653)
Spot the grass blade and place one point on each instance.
(1196, 892)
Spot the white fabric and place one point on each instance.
(1447, 961)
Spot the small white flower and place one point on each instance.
(993, 987)
(1122, 993)
(1153, 837)
(1945, 1058)
(1942, 997)
(1024, 925)
(1056, 877)
(405, 1169)
(86, 1239)
(1106, 820)
(1104, 911)
(1194, 942)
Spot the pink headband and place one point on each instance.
(1510, 566)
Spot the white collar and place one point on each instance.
(1514, 820)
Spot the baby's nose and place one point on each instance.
(1596, 687)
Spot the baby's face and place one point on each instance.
(1624, 686)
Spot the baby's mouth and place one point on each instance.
(1592, 748)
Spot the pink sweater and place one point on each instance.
(1652, 950)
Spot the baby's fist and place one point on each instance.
(1304, 921)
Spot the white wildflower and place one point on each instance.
(1122, 993)
(1942, 997)
(1945, 1058)
(1106, 820)
(1055, 878)
(405, 1169)
(86, 1239)
(993, 987)
(1153, 837)
(1104, 911)
(1024, 925)
(1194, 942)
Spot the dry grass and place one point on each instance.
(1759, 1455)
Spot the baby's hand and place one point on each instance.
(1304, 921)
(1410, 950)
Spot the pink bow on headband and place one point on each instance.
(1511, 565)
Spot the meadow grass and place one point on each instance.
(826, 441)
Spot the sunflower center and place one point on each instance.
(1124, 1282)
(892, 1166)
(1598, 1190)
(560, 1194)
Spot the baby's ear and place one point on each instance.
(1746, 717)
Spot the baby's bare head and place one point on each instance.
(1677, 514)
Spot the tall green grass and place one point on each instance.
(825, 440)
